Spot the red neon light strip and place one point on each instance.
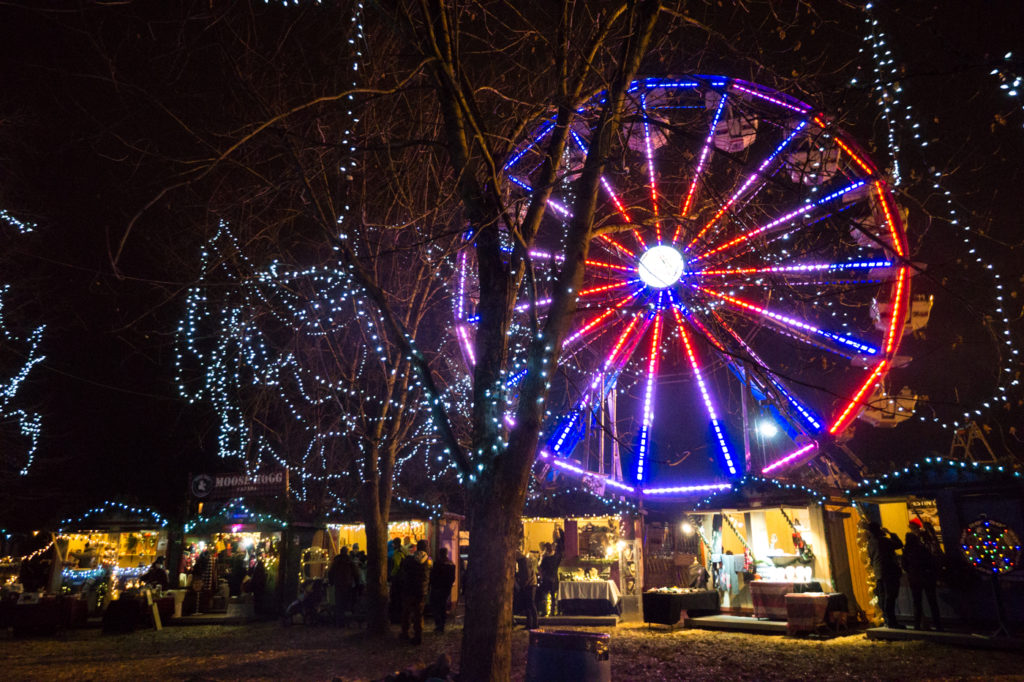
(847, 414)
(615, 199)
(746, 185)
(599, 264)
(707, 334)
(703, 157)
(860, 162)
(617, 245)
(898, 317)
(758, 230)
(607, 287)
(622, 340)
(896, 242)
(600, 318)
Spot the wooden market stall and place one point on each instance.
(409, 522)
(599, 570)
(755, 547)
(232, 562)
(947, 495)
(106, 549)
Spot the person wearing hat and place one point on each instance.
(156, 575)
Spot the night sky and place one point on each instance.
(88, 136)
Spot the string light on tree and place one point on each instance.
(903, 125)
(23, 352)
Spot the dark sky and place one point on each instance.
(86, 141)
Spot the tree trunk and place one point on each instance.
(376, 561)
(495, 520)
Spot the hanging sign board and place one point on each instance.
(217, 486)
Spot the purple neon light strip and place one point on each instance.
(652, 369)
(786, 269)
(650, 167)
(802, 108)
(719, 434)
(806, 208)
(604, 181)
(522, 307)
(788, 458)
(686, 489)
(562, 464)
(464, 336)
(848, 341)
(746, 185)
(557, 206)
(703, 157)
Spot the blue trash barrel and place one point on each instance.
(568, 656)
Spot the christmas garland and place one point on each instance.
(801, 545)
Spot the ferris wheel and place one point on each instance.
(744, 296)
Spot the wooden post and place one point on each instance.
(153, 608)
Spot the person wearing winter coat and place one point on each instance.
(526, 587)
(413, 580)
(341, 575)
(442, 577)
(882, 547)
(919, 565)
(396, 554)
(550, 561)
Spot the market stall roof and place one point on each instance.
(932, 474)
(575, 502)
(756, 492)
(113, 517)
(233, 513)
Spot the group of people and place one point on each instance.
(537, 581)
(415, 582)
(920, 560)
(347, 576)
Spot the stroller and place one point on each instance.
(311, 604)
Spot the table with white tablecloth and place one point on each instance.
(588, 597)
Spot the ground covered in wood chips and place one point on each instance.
(269, 651)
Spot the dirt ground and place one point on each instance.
(270, 652)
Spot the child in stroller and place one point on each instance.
(311, 604)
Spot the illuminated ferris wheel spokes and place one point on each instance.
(730, 231)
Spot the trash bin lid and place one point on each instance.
(570, 640)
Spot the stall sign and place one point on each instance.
(213, 486)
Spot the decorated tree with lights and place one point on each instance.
(303, 375)
(20, 352)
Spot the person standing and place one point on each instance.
(341, 575)
(526, 584)
(882, 546)
(156, 575)
(919, 564)
(396, 555)
(550, 562)
(442, 577)
(413, 580)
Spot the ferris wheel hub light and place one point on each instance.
(661, 266)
